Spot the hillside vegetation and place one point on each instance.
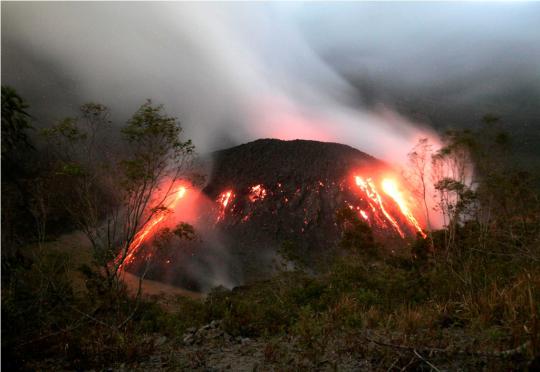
(465, 297)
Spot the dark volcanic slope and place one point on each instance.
(270, 193)
(298, 162)
(305, 183)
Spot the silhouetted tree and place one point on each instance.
(15, 124)
(114, 195)
(16, 160)
(453, 177)
(419, 161)
(357, 234)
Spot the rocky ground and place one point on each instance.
(210, 348)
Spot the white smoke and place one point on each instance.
(230, 72)
(237, 72)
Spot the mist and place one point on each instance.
(236, 72)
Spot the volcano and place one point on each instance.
(268, 193)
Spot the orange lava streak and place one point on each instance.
(390, 187)
(364, 214)
(141, 236)
(257, 192)
(368, 187)
(223, 200)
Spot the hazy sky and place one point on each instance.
(234, 72)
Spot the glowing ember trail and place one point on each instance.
(223, 201)
(149, 228)
(364, 214)
(368, 187)
(379, 213)
(389, 186)
(257, 192)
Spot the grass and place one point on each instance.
(462, 301)
(479, 305)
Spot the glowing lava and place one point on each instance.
(386, 208)
(149, 228)
(257, 192)
(364, 215)
(223, 200)
(369, 188)
(390, 187)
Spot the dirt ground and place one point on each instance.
(77, 247)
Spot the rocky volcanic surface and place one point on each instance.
(304, 183)
(269, 193)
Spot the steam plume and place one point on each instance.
(231, 73)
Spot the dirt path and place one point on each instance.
(154, 288)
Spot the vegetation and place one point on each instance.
(108, 191)
(113, 199)
(469, 291)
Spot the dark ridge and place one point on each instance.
(305, 182)
(297, 162)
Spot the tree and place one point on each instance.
(15, 122)
(16, 169)
(452, 173)
(117, 193)
(357, 235)
(419, 162)
(507, 203)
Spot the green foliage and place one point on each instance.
(71, 169)
(15, 122)
(421, 248)
(35, 299)
(107, 192)
(18, 167)
(156, 153)
(155, 138)
(485, 289)
(312, 332)
(118, 185)
(95, 113)
(292, 254)
(357, 234)
(66, 129)
(187, 313)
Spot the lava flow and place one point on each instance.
(148, 229)
(369, 188)
(389, 186)
(387, 208)
(257, 192)
(364, 215)
(223, 201)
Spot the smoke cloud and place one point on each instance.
(236, 72)
(354, 73)
(232, 73)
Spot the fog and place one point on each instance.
(236, 72)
